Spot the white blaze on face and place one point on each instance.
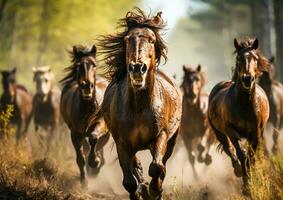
(43, 82)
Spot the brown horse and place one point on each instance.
(142, 105)
(274, 92)
(46, 102)
(239, 108)
(195, 131)
(81, 96)
(18, 96)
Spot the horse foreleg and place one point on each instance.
(203, 148)
(157, 168)
(77, 141)
(126, 157)
(192, 156)
(275, 136)
(97, 140)
(229, 150)
(244, 163)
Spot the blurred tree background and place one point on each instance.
(206, 35)
(38, 32)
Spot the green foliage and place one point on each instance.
(5, 117)
(38, 32)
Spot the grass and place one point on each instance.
(26, 175)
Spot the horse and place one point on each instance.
(46, 102)
(21, 99)
(142, 104)
(239, 109)
(274, 92)
(195, 131)
(81, 96)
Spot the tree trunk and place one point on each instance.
(3, 4)
(267, 28)
(43, 38)
(278, 21)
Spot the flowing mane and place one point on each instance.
(80, 52)
(114, 45)
(246, 45)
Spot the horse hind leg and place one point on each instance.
(77, 143)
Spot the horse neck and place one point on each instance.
(243, 95)
(138, 99)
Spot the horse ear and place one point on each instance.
(199, 68)
(75, 50)
(93, 50)
(272, 59)
(14, 70)
(157, 19)
(34, 69)
(237, 45)
(255, 44)
(184, 68)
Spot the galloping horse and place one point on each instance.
(81, 96)
(239, 108)
(274, 92)
(46, 102)
(195, 131)
(18, 96)
(142, 105)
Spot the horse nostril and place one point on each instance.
(143, 68)
(252, 79)
(131, 68)
(91, 85)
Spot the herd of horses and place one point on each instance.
(142, 108)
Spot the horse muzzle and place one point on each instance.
(247, 81)
(138, 74)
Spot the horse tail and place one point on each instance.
(219, 147)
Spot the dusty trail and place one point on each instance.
(214, 182)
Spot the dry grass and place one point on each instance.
(25, 174)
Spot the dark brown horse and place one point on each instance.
(239, 108)
(142, 105)
(195, 130)
(46, 102)
(274, 92)
(81, 96)
(18, 96)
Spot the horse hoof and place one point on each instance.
(156, 169)
(246, 191)
(238, 169)
(94, 163)
(208, 159)
(200, 148)
(84, 184)
(274, 149)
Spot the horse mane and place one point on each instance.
(114, 45)
(246, 45)
(81, 51)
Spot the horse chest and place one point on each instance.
(139, 130)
